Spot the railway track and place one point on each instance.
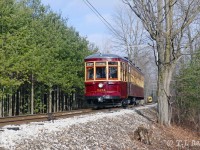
(16, 120)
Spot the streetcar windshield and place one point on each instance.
(89, 70)
(100, 72)
(90, 73)
(112, 72)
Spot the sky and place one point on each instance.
(81, 17)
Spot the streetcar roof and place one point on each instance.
(105, 56)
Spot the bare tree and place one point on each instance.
(131, 32)
(106, 46)
(130, 39)
(167, 29)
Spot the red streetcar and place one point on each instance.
(111, 80)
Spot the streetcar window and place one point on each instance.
(90, 73)
(112, 72)
(124, 71)
(89, 64)
(112, 63)
(121, 71)
(100, 63)
(100, 72)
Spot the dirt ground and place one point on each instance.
(173, 137)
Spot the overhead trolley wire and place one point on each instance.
(101, 17)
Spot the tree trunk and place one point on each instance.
(74, 101)
(54, 101)
(164, 80)
(32, 94)
(28, 101)
(7, 104)
(20, 102)
(15, 104)
(10, 104)
(165, 65)
(43, 105)
(1, 105)
(50, 101)
(190, 43)
(17, 99)
(64, 102)
(57, 98)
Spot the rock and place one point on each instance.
(143, 135)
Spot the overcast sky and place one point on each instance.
(84, 20)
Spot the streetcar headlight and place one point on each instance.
(100, 99)
(100, 85)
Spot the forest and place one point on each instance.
(42, 60)
(186, 93)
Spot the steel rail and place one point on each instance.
(40, 117)
(24, 119)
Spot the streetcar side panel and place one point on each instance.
(136, 83)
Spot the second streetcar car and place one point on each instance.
(111, 80)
